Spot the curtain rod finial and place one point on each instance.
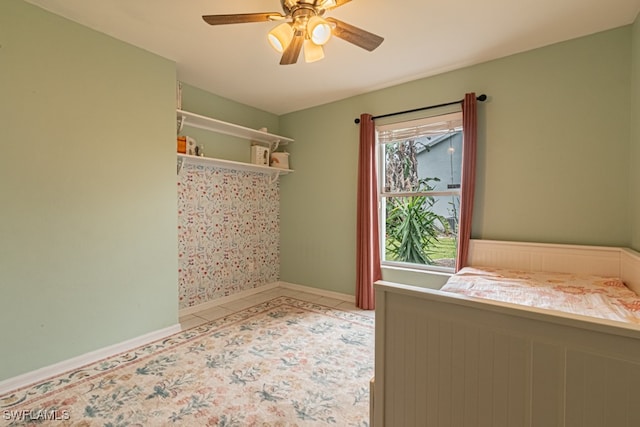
(357, 121)
(482, 97)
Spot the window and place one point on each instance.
(420, 163)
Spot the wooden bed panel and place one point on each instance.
(428, 350)
(596, 260)
(547, 373)
(601, 390)
(453, 361)
(448, 360)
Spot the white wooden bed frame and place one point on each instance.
(445, 360)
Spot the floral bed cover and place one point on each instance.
(594, 296)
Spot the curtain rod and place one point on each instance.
(480, 98)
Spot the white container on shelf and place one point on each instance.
(280, 160)
(191, 146)
(259, 155)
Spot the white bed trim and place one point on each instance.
(440, 353)
(630, 269)
(444, 358)
(597, 260)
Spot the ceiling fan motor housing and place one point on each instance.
(291, 6)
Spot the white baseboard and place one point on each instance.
(316, 291)
(42, 374)
(219, 301)
(249, 292)
(46, 372)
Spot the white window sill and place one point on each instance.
(399, 266)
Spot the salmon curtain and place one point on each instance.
(470, 136)
(368, 244)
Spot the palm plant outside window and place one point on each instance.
(420, 163)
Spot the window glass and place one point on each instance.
(420, 165)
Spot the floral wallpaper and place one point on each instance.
(228, 232)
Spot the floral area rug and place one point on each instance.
(284, 362)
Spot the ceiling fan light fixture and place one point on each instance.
(312, 51)
(306, 28)
(328, 3)
(319, 30)
(281, 36)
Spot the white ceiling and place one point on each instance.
(422, 38)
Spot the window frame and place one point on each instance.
(383, 195)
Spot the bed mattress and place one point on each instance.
(594, 296)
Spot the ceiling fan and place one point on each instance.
(305, 27)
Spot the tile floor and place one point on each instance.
(196, 319)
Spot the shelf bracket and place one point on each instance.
(274, 177)
(180, 124)
(180, 163)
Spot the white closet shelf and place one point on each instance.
(230, 164)
(207, 123)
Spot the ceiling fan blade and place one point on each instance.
(355, 35)
(291, 54)
(240, 18)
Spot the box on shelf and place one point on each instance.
(182, 144)
(187, 145)
(259, 155)
(191, 146)
(280, 160)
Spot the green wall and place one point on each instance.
(88, 253)
(552, 157)
(87, 173)
(635, 136)
(217, 145)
